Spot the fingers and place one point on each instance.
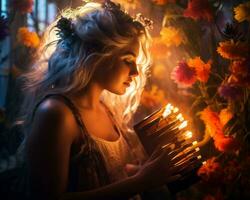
(132, 169)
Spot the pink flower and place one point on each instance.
(183, 74)
(199, 9)
(230, 91)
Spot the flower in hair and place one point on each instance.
(111, 6)
(65, 28)
(147, 23)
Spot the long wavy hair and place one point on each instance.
(67, 64)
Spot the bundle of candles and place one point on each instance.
(168, 128)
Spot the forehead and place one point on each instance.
(132, 49)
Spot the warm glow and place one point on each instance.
(204, 162)
(175, 110)
(197, 149)
(167, 110)
(180, 117)
(188, 134)
(195, 142)
(199, 157)
(183, 125)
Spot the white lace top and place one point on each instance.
(116, 155)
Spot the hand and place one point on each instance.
(132, 169)
(159, 169)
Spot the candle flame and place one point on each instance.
(197, 149)
(188, 134)
(180, 117)
(199, 157)
(183, 125)
(175, 110)
(167, 110)
(195, 142)
(204, 162)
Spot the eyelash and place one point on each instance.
(128, 63)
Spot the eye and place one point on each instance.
(130, 63)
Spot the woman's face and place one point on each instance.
(118, 78)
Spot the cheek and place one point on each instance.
(115, 80)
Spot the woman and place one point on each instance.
(81, 94)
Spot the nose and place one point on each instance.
(134, 71)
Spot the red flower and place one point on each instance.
(183, 74)
(226, 144)
(211, 171)
(199, 9)
(23, 6)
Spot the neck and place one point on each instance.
(90, 97)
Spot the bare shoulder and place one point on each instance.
(54, 116)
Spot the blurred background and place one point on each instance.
(200, 64)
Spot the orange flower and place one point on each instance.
(211, 171)
(232, 51)
(225, 116)
(199, 9)
(242, 12)
(212, 122)
(226, 144)
(202, 69)
(171, 36)
(28, 38)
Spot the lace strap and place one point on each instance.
(68, 102)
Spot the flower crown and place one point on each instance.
(114, 8)
(65, 25)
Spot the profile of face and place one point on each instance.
(117, 79)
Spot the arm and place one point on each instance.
(48, 152)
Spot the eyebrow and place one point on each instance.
(129, 53)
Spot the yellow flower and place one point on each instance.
(202, 69)
(233, 51)
(242, 12)
(27, 38)
(171, 36)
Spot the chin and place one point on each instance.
(118, 91)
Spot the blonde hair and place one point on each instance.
(67, 64)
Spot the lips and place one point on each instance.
(127, 83)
